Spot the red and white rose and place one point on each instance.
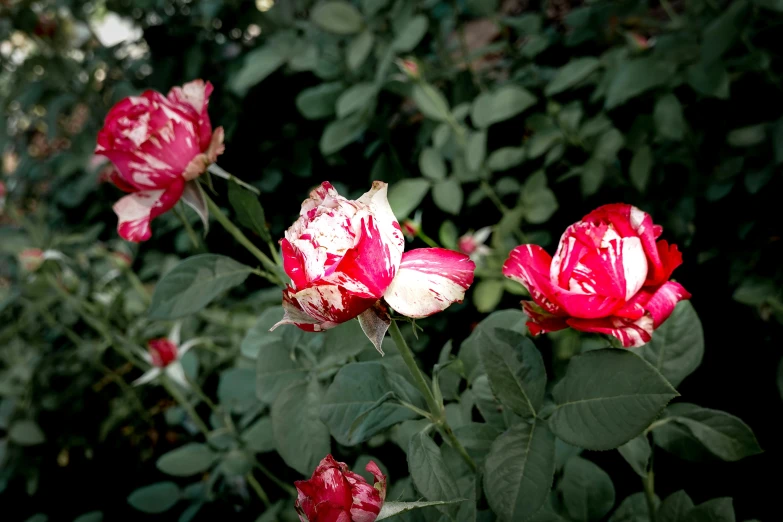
(343, 256)
(159, 145)
(336, 494)
(609, 276)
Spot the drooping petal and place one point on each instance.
(529, 266)
(321, 307)
(542, 321)
(375, 323)
(630, 333)
(380, 478)
(148, 376)
(659, 302)
(136, 211)
(429, 281)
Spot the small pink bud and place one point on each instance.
(31, 259)
(467, 245)
(410, 67)
(163, 352)
(410, 228)
(121, 259)
(640, 42)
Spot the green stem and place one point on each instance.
(283, 485)
(188, 227)
(220, 172)
(243, 240)
(649, 492)
(492, 195)
(257, 488)
(463, 43)
(183, 401)
(427, 239)
(138, 285)
(437, 411)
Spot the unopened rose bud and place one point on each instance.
(121, 260)
(162, 351)
(410, 67)
(31, 259)
(472, 243)
(639, 42)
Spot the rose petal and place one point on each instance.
(529, 266)
(429, 280)
(321, 307)
(376, 198)
(630, 333)
(136, 211)
(659, 302)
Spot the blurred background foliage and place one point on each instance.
(519, 115)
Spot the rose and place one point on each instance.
(164, 355)
(31, 259)
(336, 494)
(608, 276)
(342, 256)
(159, 145)
(473, 245)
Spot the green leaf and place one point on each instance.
(372, 7)
(502, 104)
(675, 508)
(593, 173)
(636, 452)
(487, 294)
(448, 235)
(633, 509)
(641, 167)
(92, 516)
(715, 510)
(337, 16)
(405, 195)
(505, 158)
(635, 77)
(571, 74)
(155, 498)
(341, 343)
(720, 433)
(428, 470)
(538, 201)
(259, 336)
(513, 320)
(447, 195)
(236, 389)
(359, 49)
(588, 492)
(193, 284)
(257, 65)
(355, 98)
(276, 369)
(249, 211)
(431, 102)
(340, 133)
(669, 121)
(476, 150)
(26, 433)
(187, 460)
(358, 403)
(391, 508)
(259, 437)
(606, 398)
(477, 436)
(747, 136)
(542, 141)
(432, 165)
(709, 79)
(721, 33)
(519, 470)
(677, 347)
(608, 145)
(319, 101)
(411, 34)
(515, 370)
(301, 439)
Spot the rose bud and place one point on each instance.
(473, 245)
(162, 352)
(159, 145)
(165, 355)
(608, 276)
(412, 227)
(31, 259)
(410, 67)
(343, 256)
(336, 494)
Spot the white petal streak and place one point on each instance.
(634, 265)
(429, 280)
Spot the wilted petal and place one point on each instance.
(542, 321)
(429, 281)
(193, 196)
(319, 308)
(630, 333)
(135, 211)
(375, 323)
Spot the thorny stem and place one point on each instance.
(437, 411)
(243, 240)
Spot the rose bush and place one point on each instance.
(159, 145)
(609, 276)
